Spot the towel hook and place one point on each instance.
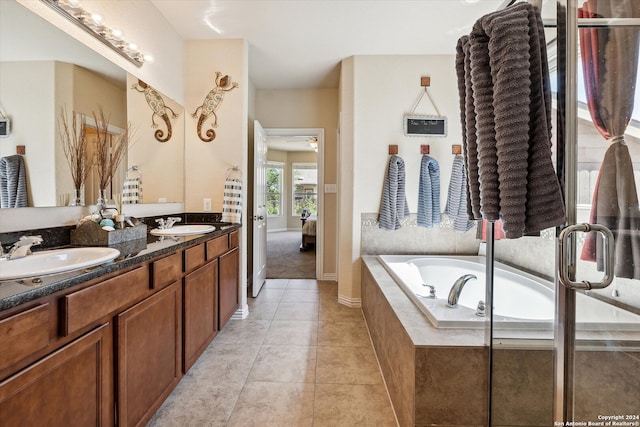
(393, 149)
(424, 149)
(456, 149)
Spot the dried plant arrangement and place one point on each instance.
(75, 146)
(110, 149)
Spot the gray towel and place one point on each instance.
(456, 207)
(13, 182)
(429, 192)
(393, 206)
(512, 112)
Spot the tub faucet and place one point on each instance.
(22, 247)
(456, 289)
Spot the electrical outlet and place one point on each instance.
(206, 205)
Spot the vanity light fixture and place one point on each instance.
(94, 24)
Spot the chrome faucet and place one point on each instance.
(164, 224)
(22, 247)
(456, 289)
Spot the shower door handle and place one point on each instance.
(566, 266)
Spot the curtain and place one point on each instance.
(610, 65)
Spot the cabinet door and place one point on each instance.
(71, 387)
(200, 311)
(228, 288)
(149, 361)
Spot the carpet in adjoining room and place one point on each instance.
(284, 259)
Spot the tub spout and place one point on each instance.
(456, 289)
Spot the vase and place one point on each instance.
(101, 203)
(76, 198)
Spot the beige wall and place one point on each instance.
(160, 163)
(312, 108)
(376, 91)
(207, 162)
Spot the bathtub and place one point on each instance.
(521, 301)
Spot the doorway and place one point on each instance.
(294, 202)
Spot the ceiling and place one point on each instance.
(296, 44)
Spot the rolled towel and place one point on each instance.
(429, 192)
(456, 207)
(13, 182)
(393, 206)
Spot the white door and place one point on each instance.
(259, 208)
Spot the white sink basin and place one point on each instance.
(55, 261)
(183, 230)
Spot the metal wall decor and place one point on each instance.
(159, 108)
(210, 105)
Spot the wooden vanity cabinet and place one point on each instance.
(149, 350)
(228, 287)
(200, 303)
(72, 386)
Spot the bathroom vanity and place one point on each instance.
(108, 345)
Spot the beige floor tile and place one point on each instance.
(276, 283)
(292, 332)
(262, 311)
(219, 363)
(274, 404)
(337, 312)
(339, 405)
(300, 284)
(243, 332)
(195, 403)
(297, 311)
(343, 334)
(268, 295)
(300, 295)
(347, 365)
(285, 364)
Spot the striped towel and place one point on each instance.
(232, 201)
(13, 182)
(456, 207)
(393, 206)
(132, 188)
(429, 192)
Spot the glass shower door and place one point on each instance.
(598, 329)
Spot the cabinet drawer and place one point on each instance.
(217, 246)
(233, 239)
(167, 270)
(193, 258)
(92, 303)
(23, 334)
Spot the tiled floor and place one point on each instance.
(299, 359)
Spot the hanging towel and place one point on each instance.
(232, 201)
(429, 192)
(393, 206)
(456, 207)
(512, 112)
(132, 187)
(615, 205)
(13, 182)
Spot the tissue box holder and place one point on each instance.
(90, 233)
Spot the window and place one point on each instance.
(274, 188)
(305, 188)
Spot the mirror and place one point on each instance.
(42, 71)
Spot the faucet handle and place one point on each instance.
(174, 218)
(160, 222)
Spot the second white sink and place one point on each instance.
(55, 261)
(183, 230)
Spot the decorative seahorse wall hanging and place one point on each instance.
(159, 108)
(211, 103)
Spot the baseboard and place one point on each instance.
(329, 277)
(276, 230)
(350, 302)
(241, 313)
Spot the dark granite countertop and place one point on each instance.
(14, 293)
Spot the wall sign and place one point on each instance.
(425, 126)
